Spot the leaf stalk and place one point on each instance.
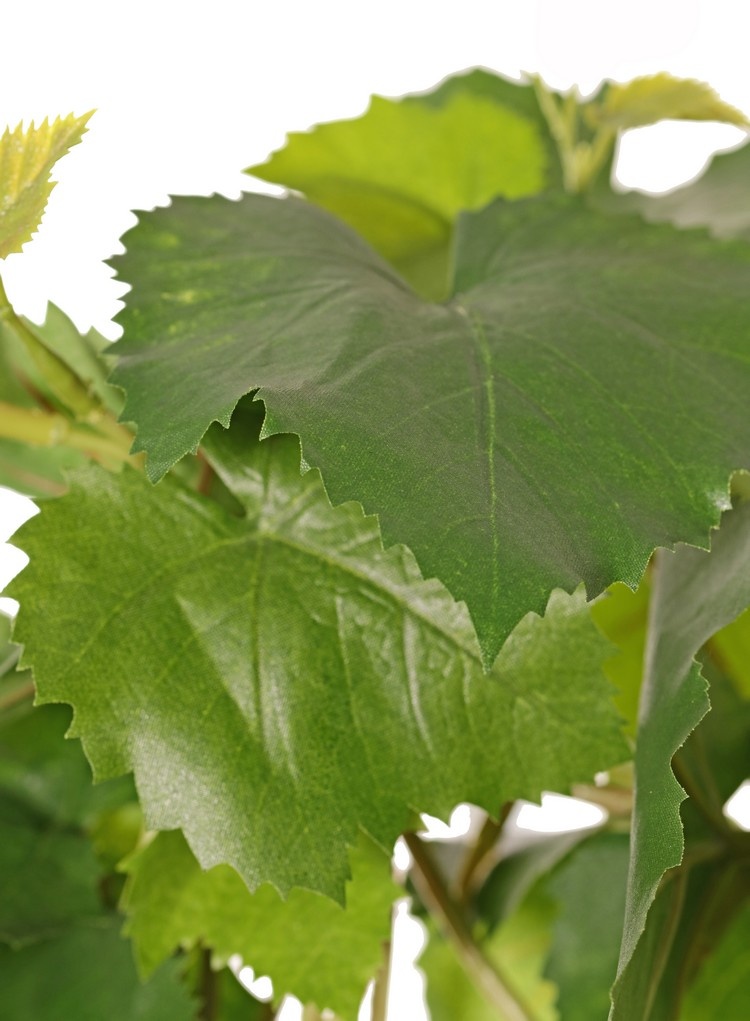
(450, 919)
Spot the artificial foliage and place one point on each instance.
(424, 484)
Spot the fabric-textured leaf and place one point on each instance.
(276, 681)
(308, 945)
(580, 401)
(695, 593)
(402, 172)
(26, 159)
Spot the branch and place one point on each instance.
(453, 925)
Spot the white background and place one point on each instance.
(190, 93)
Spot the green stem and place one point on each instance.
(449, 918)
(61, 379)
(49, 429)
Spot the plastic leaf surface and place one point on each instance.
(323, 686)
(26, 159)
(308, 945)
(577, 348)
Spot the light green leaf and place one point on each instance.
(26, 159)
(517, 948)
(323, 686)
(622, 616)
(308, 945)
(401, 173)
(731, 646)
(576, 347)
(658, 97)
(88, 974)
(694, 594)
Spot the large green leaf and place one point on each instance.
(695, 593)
(581, 399)
(276, 680)
(308, 945)
(88, 974)
(402, 172)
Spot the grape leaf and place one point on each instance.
(656, 97)
(577, 347)
(88, 974)
(275, 681)
(695, 593)
(402, 172)
(308, 945)
(26, 159)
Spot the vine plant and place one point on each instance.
(406, 441)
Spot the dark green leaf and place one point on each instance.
(275, 681)
(581, 400)
(308, 945)
(88, 974)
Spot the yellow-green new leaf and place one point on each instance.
(26, 159)
(658, 97)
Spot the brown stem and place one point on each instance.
(380, 990)
(473, 867)
(207, 989)
(454, 927)
(18, 695)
